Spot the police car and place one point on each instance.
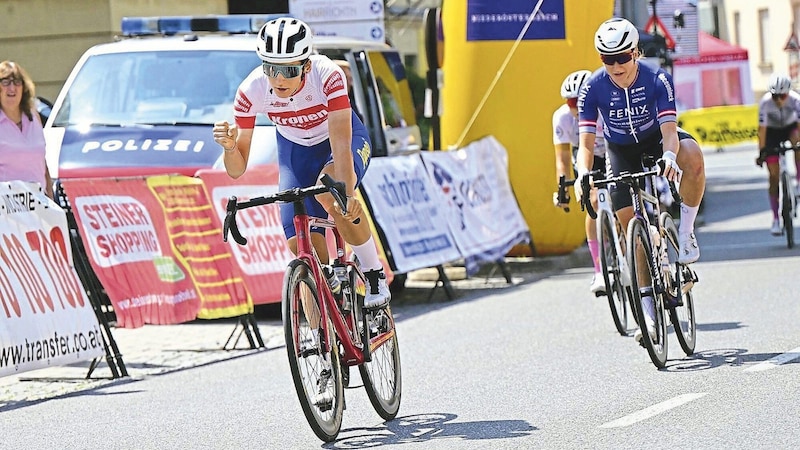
(145, 104)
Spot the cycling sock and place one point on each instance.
(773, 203)
(688, 214)
(594, 250)
(797, 170)
(367, 255)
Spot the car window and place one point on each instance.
(157, 88)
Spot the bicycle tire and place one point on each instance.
(786, 210)
(305, 363)
(609, 262)
(682, 316)
(657, 350)
(381, 373)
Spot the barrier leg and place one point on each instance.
(445, 282)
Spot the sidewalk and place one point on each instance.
(158, 349)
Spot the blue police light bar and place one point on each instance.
(171, 25)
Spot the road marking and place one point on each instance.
(772, 363)
(651, 411)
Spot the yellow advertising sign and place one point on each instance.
(721, 125)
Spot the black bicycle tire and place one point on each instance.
(786, 210)
(615, 291)
(326, 425)
(387, 406)
(685, 327)
(658, 355)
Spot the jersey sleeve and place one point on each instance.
(562, 130)
(665, 98)
(244, 110)
(762, 111)
(334, 84)
(587, 109)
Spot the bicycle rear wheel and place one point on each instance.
(681, 314)
(787, 212)
(640, 264)
(609, 261)
(381, 373)
(313, 360)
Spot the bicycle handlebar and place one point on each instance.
(563, 185)
(336, 188)
(625, 178)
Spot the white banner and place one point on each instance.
(357, 19)
(45, 316)
(485, 218)
(404, 203)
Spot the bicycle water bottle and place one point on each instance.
(341, 276)
(333, 282)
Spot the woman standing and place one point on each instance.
(21, 136)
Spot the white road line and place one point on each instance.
(772, 363)
(651, 411)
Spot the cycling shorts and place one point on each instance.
(628, 158)
(774, 138)
(300, 166)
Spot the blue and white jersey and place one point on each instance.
(630, 114)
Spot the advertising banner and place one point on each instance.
(491, 20)
(45, 316)
(358, 19)
(155, 248)
(721, 125)
(484, 216)
(263, 261)
(404, 202)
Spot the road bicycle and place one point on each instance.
(325, 336)
(652, 252)
(612, 259)
(787, 197)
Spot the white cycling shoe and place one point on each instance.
(598, 286)
(378, 293)
(776, 229)
(649, 305)
(689, 250)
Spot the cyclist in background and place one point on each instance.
(305, 95)
(637, 105)
(565, 140)
(777, 122)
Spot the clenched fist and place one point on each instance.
(225, 135)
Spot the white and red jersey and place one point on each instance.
(565, 131)
(302, 118)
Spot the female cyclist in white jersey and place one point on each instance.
(565, 140)
(305, 95)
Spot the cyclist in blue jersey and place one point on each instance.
(637, 105)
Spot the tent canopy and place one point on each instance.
(714, 50)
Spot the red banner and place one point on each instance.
(264, 259)
(156, 248)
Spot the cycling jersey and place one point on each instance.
(771, 115)
(565, 130)
(631, 114)
(302, 118)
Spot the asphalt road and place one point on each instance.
(533, 365)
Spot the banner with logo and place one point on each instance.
(156, 249)
(404, 203)
(484, 216)
(719, 126)
(45, 316)
(491, 20)
(264, 259)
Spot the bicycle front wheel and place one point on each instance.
(640, 255)
(313, 355)
(381, 373)
(609, 261)
(787, 213)
(681, 311)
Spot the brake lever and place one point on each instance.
(336, 188)
(230, 223)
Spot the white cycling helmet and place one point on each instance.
(573, 83)
(779, 84)
(284, 40)
(615, 36)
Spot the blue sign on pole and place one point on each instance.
(493, 20)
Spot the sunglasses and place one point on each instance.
(779, 96)
(620, 58)
(290, 71)
(8, 81)
(572, 102)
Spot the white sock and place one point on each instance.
(367, 255)
(688, 214)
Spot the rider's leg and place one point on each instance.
(794, 137)
(598, 282)
(773, 170)
(693, 182)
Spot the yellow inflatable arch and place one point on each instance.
(516, 106)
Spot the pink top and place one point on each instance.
(22, 151)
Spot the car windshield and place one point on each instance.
(157, 88)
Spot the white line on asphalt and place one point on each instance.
(772, 363)
(651, 411)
